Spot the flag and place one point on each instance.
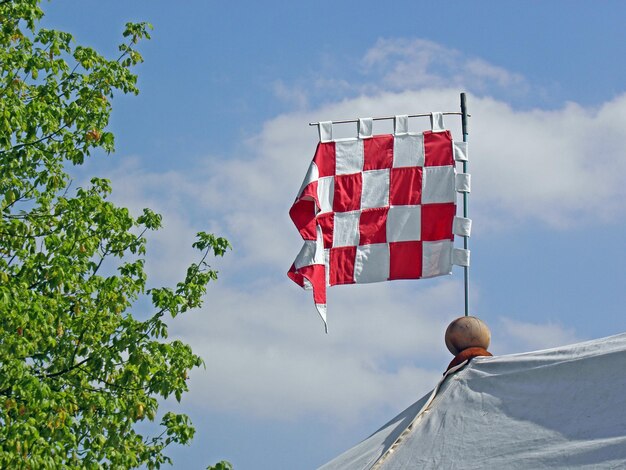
(379, 207)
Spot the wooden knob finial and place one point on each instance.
(467, 332)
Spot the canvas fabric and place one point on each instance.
(560, 408)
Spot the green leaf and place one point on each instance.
(223, 465)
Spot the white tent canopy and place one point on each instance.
(558, 408)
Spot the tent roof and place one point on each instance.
(557, 408)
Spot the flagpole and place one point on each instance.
(464, 117)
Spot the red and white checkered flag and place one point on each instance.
(379, 208)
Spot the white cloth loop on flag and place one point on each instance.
(365, 127)
(462, 226)
(326, 131)
(461, 151)
(460, 257)
(463, 183)
(401, 124)
(436, 122)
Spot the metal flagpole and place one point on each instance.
(464, 117)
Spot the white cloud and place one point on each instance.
(280, 360)
(267, 354)
(409, 64)
(561, 167)
(523, 336)
(401, 64)
(263, 343)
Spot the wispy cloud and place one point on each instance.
(294, 96)
(523, 336)
(400, 65)
(403, 64)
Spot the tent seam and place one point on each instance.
(429, 403)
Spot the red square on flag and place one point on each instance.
(325, 159)
(347, 195)
(438, 149)
(437, 221)
(327, 224)
(341, 262)
(378, 152)
(373, 226)
(301, 215)
(405, 260)
(405, 187)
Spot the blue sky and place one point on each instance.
(219, 140)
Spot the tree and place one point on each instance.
(80, 364)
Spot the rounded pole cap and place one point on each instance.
(467, 332)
